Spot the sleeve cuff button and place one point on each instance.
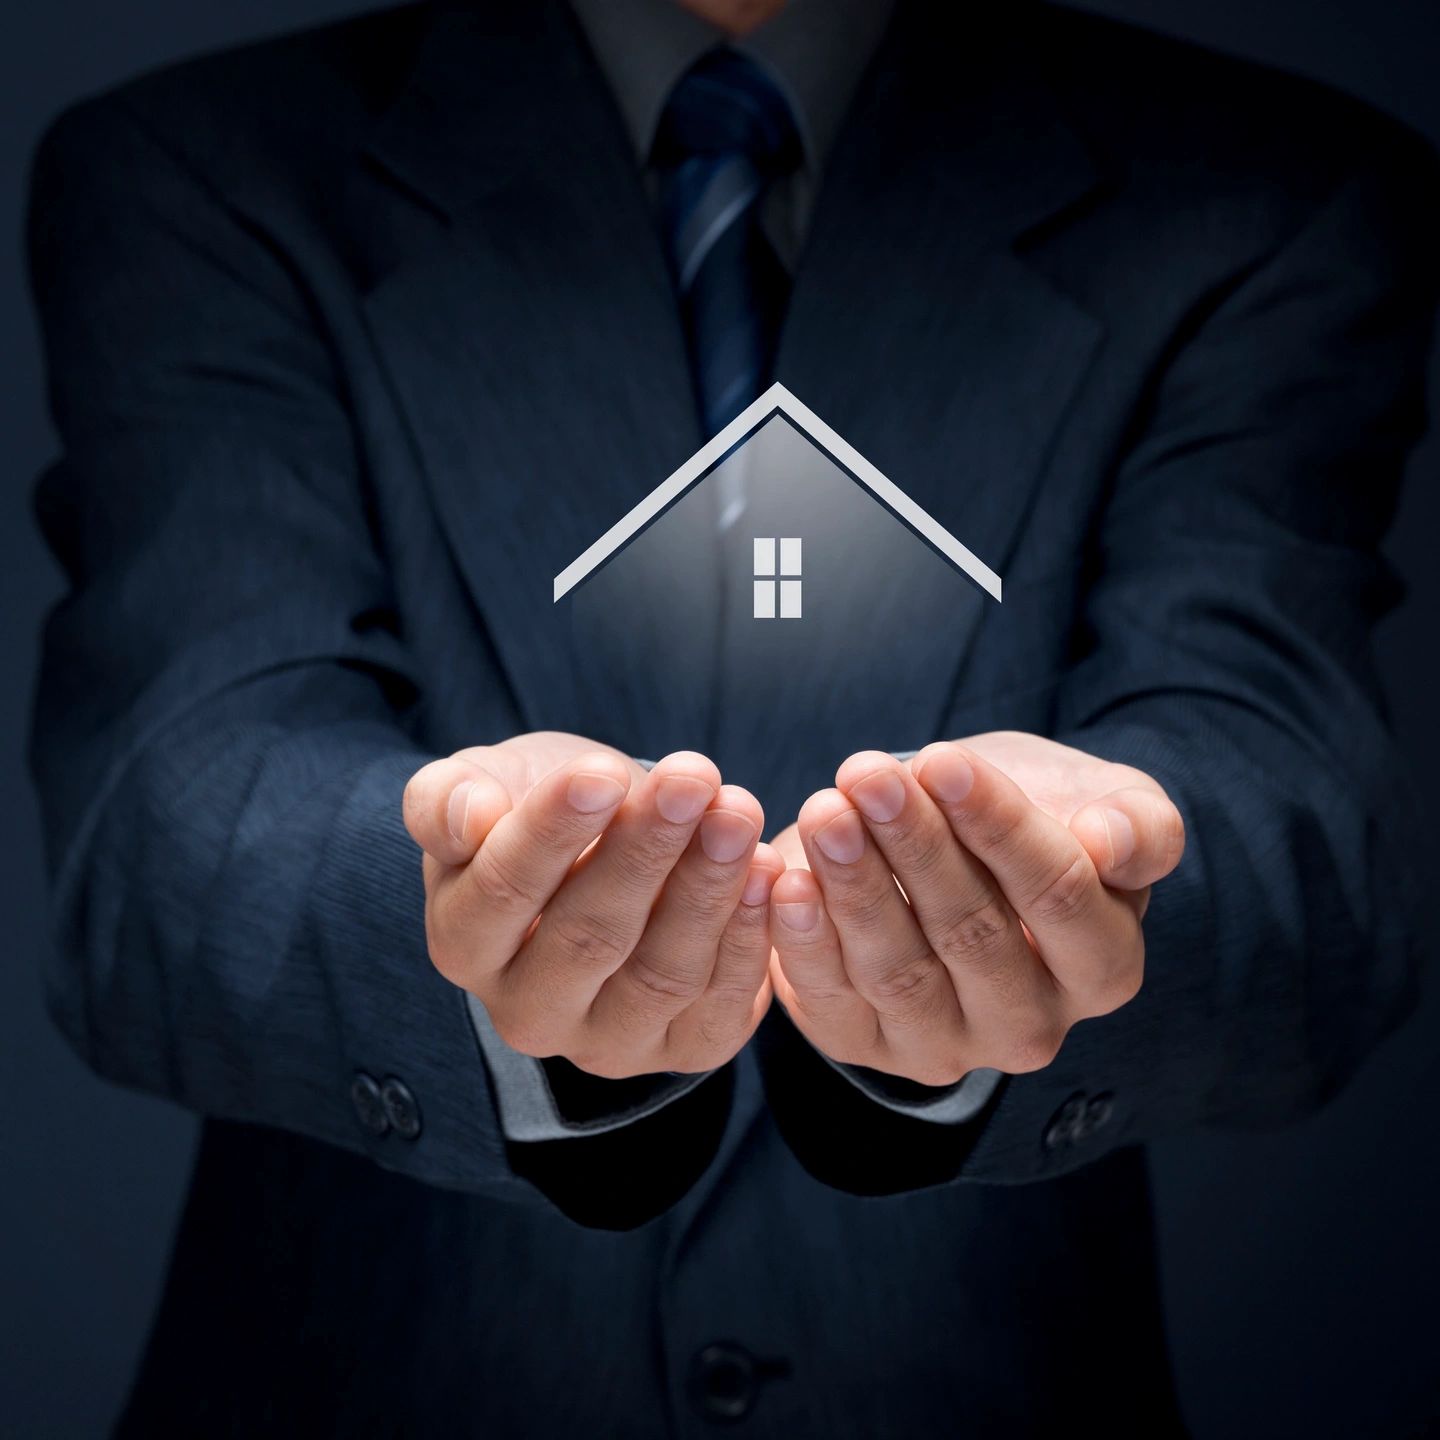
(402, 1110)
(369, 1105)
(1078, 1119)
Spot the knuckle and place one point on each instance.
(701, 893)
(978, 934)
(717, 1038)
(1067, 896)
(861, 907)
(651, 850)
(993, 831)
(662, 988)
(915, 851)
(500, 882)
(818, 991)
(823, 1002)
(746, 930)
(736, 984)
(591, 941)
(903, 982)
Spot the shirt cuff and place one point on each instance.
(946, 1105)
(553, 1100)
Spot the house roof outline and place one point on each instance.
(777, 400)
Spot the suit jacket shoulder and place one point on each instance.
(1187, 123)
(277, 120)
(1167, 119)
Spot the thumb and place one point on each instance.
(1135, 836)
(450, 807)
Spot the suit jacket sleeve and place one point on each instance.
(226, 717)
(1226, 650)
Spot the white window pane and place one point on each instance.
(765, 557)
(790, 599)
(764, 599)
(789, 558)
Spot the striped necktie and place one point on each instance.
(726, 134)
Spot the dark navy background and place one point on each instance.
(1301, 1269)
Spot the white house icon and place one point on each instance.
(778, 559)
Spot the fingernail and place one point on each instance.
(802, 916)
(843, 838)
(725, 836)
(949, 774)
(757, 887)
(590, 794)
(681, 798)
(1122, 836)
(879, 797)
(457, 811)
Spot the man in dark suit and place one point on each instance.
(356, 339)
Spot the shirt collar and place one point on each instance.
(816, 51)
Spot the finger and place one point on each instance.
(964, 916)
(518, 762)
(737, 994)
(887, 955)
(914, 837)
(1135, 836)
(596, 918)
(450, 806)
(1087, 936)
(673, 958)
(810, 978)
(479, 914)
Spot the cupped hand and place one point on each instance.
(967, 908)
(605, 914)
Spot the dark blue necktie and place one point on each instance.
(726, 134)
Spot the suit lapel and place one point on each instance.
(531, 337)
(918, 330)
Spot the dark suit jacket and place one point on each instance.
(356, 339)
